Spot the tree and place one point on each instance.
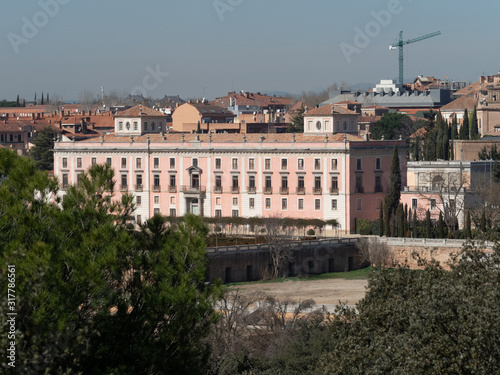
(428, 225)
(464, 128)
(42, 152)
(48, 100)
(86, 101)
(41, 102)
(297, 125)
(393, 125)
(96, 296)
(391, 200)
(473, 128)
(277, 235)
(18, 104)
(198, 128)
(468, 231)
(376, 253)
(381, 220)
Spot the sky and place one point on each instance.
(206, 48)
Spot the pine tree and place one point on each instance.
(464, 128)
(473, 128)
(391, 200)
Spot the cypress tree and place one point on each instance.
(415, 224)
(482, 223)
(381, 220)
(35, 97)
(468, 231)
(198, 129)
(400, 221)
(428, 225)
(17, 101)
(464, 128)
(42, 98)
(48, 100)
(473, 128)
(406, 221)
(441, 226)
(391, 200)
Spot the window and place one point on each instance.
(93, 161)
(318, 125)
(156, 211)
(267, 164)
(78, 162)
(146, 126)
(334, 205)
(300, 164)
(218, 163)
(300, 204)
(173, 212)
(138, 219)
(414, 203)
(108, 161)
(78, 179)
(300, 182)
(235, 182)
(194, 162)
(65, 181)
(138, 163)
(135, 125)
(138, 181)
(284, 182)
(268, 203)
(218, 184)
(156, 199)
(284, 164)
(124, 162)
(358, 165)
(65, 162)
(120, 125)
(156, 181)
(218, 201)
(235, 213)
(251, 164)
(284, 203)
(359, 183)
(317, 184)
(378, 164)
(218, 213)
(433, 205)
(334, 164)
(172, 180)
(138, 201)
(335, 184)
(317, 164)
(251, 203)
(124, 181)
(378, 184)
(172, 199)
(359, 204)
(267, 184)
(234, 163)
(172, 163)
(127, 125)
(235, 201)
(317, 204)
(152, 126)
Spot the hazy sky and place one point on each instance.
(210, 47)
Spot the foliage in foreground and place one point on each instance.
(94, 296)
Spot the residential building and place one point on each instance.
(254, 103)
(210, 117)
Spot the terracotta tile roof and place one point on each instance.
(140, 110)
(210, 109)
(362, 119)
(254, 99)
(349, 102)
(472, 88)
(327, 110)
(235, 138)
(419, 133)
(296, 107)
(460, 104)
(375, 107)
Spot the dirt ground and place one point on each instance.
(323, 292)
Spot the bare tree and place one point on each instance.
(86, 100)
(376, 253)
(56, 103)
(484, 201)
(278, 235)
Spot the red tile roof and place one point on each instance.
(253, 99)
(140, 110)
(329, 109)
(460, 104)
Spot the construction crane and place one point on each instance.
(402, 42)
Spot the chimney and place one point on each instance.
(247, 94)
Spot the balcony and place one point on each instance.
(252, 189)
(193, 189)
(156, 188)
(235, 189)
(218, 189)
(317, 191)
(283, 190)
(123, 187)
(334, 191)
(172, 189)
(268, 190)
(301, 190)
(138, 187)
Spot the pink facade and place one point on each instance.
(339, 176)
